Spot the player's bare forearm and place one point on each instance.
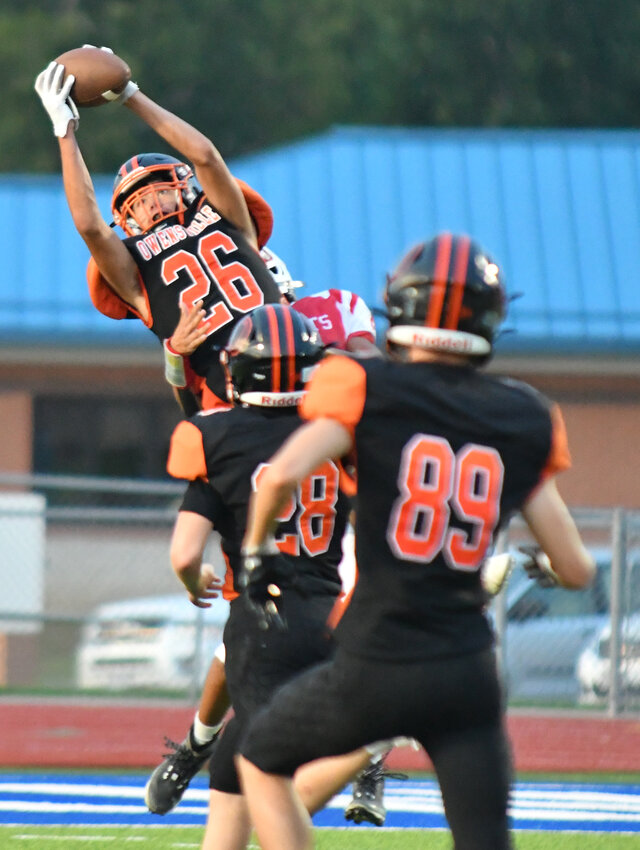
(111, 256)
(177, 132)
(79, 190)
(264, 507)
(216, 180)
(553, 527)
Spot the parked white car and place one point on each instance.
(152, 642)
(594, 664)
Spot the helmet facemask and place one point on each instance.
(148, 182)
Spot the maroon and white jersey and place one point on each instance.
(339, 316)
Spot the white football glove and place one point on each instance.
(53, 91)
(127, 91)
(496, 571)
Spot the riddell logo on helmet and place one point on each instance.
(443, 342)
(288, 401)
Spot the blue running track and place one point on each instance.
(117, 800)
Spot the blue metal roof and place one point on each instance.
(559, 209)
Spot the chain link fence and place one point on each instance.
(90, 604)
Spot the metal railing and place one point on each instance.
(87, 542)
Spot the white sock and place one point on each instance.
(379, 749)
(201, 733)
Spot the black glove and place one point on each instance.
(538, 566)
(260, 582)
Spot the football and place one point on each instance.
(96, 71)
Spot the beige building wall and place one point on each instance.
(600, 402)
(604, 439)
(16, 427)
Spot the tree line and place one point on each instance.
(254, 74)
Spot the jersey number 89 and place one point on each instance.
(434, 481)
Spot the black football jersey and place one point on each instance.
(204, 259)
(223, 454)
(445, 455)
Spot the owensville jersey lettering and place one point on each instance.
(204, 259)
(223, 454)
(207, 259)
(429, 503)
(339, 315)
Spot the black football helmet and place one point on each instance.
(269, 356)
(145, 174)
(446, 294)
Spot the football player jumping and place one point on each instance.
(192, 231)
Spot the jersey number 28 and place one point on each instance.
(313, 508)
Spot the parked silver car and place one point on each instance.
(153, 642)
(594, 664)
(546, 630)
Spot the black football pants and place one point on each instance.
(452, 706)
(258, 662)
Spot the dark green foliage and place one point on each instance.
(255, 74)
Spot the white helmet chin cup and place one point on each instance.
(439, 339)
(280, 273)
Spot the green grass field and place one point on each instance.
(182, 838)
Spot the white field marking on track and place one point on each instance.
(39, 836)
(67, 789)
(523, 800)
(90, 808)
(27, 837)
(128, 838)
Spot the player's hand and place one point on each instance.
(190, 332)
(538, 566)
(53, 90)
(127, 91)
(260, 581)
(208, 587)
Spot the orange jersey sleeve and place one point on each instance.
(105, 299)
(186, 453)
(260, 212)
(337, 391)
(559, 458)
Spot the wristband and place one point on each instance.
(174, 366)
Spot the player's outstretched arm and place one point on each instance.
(211, 170)
(551, 524)
(112, 258)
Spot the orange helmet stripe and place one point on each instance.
(460, 265)
(439, 286)
(276, 379)
(291, 348)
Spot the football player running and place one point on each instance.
(446, 455)
(343, 322)
(223, 456)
